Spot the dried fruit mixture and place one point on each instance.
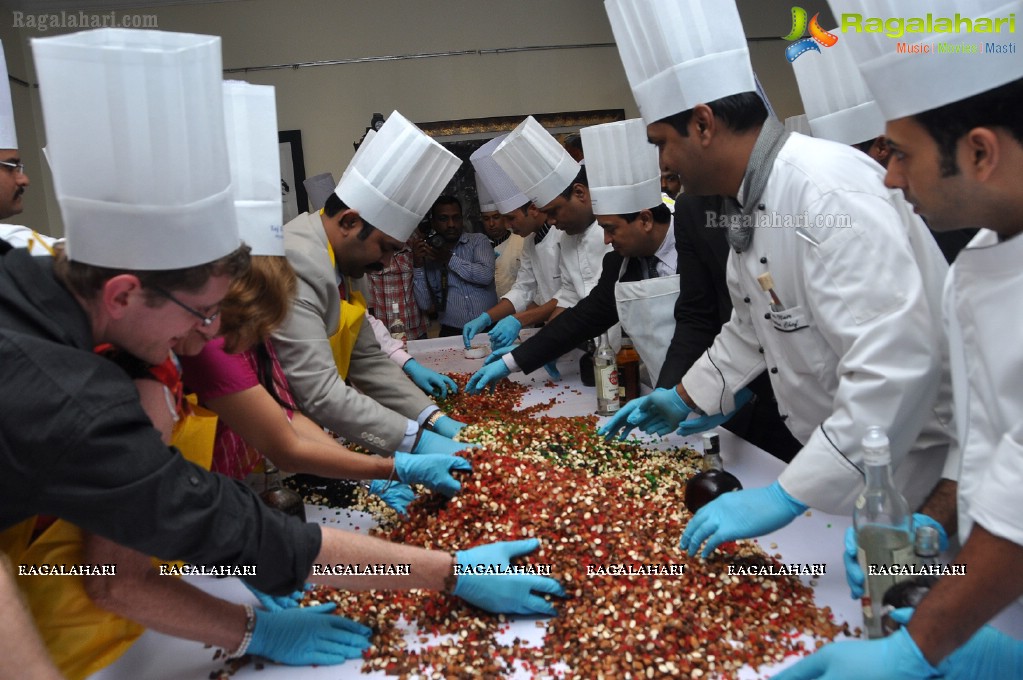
(592, 504)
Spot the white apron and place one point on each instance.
(646, 310)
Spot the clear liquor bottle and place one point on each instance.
(605, 372)
(883, 527)
(397, 327)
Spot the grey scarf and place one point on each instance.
(761, 161)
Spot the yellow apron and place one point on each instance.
(80, 637)
(342, 342)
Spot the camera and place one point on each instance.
(434, 240)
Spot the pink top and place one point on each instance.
(214, 373)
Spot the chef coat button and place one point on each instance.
(763, 260)
(193, 480)
(760, 349)
(760, 207)
(746, 300)
(767, 316)
(774, 370)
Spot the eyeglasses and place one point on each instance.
(206, 320)
(18, 168)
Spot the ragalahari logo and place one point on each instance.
(802, 45)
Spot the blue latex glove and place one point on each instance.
(505, 593)
(854, 573)
(310, 635)
(488, 375)
(276, 603)
(990, 653)
(397, 496)
(431, 382)
(431, 442)
(896, 657)
(657, 413)
(497, 354)
(477, 325)
(552, 370)
(504, 332)
(431, 470)
(446, 426)
(704, 423)
(740, 514)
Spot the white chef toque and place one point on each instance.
(535, 161)
(8, 134)
(912, 82)
(621, 167)
(395, 177)
(680, 53)
(838, 104)
(799, 124)
(250, 117)
(318, 188)
(135, 139)
(493, 182)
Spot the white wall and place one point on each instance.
(332, 105)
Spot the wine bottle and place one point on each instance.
(278, 496)
(714, 480)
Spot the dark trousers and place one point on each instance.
(448, 331)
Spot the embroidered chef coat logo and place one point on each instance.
(801, 45)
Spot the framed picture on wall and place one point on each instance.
(463, 137)
(293, 195)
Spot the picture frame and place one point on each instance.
(294, 199)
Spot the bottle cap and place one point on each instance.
(926, 541)
(711, 444)
(875, 446)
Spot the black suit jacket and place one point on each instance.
(704, 305)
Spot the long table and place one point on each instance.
(811, 539)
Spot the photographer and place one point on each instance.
(454, 271)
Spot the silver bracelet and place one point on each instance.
(250, 627)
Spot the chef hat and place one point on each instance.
(622, 168)
(395, 177)
(909, 82)
(680, 53)
(250, 116)
(799, 124)
(838, 104)
(538, 165)
(493, 182)
(318, 188)
(135, 139)
(8, 135)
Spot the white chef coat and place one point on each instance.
(539, 276)
(984, 310)
(860, 340)
(506, 266)
(582, 256)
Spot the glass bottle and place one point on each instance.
(278, 496)
(714, 480)
(605, 374)
(397, 327)
(628, 371)
(586, 364)
(909, 593)
(883, 527)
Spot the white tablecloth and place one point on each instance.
(815, 538)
